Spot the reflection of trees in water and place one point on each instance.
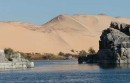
(108, 65)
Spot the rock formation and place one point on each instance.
(114, 44)
(14, 61)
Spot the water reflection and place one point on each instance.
(114, 66)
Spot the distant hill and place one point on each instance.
(62, 33)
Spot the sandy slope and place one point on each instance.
(63, 33)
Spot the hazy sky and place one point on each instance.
(41, 11)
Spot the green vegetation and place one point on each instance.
(90, 57)
(91, 51)
(45, 56)
(8, 52)
(82, 53)
(50, 56)
(72, 50)
(61, 54)
(24, 55)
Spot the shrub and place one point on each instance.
(91, 51)
(26, 56)
(72, 50)
(67, 55)
(51, 56)
(47, 55)
(82, 53)
(8, 51)
(54, 57)
(61, 54)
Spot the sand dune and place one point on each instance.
(63, 33)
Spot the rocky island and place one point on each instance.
(14, 60)
(114, 46)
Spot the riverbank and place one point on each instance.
(51, 56)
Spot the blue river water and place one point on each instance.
(66, 71)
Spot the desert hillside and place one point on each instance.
(62, 33)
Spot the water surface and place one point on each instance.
(66, 71)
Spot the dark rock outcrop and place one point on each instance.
(114, 44)
(90, 58)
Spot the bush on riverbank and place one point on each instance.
(50, 56)
(82, 53)
(9, 52)
(91, 51)
(87, 57)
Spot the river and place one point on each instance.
(66, 71)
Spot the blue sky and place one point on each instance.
(41, 11)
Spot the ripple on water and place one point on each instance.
(65, 72)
